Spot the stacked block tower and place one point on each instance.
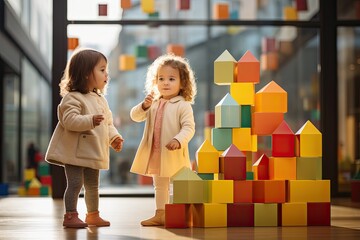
(229, 187)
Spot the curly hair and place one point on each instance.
(187, 76)
(78, 68)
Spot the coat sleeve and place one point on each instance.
(187, 124)
(138, 114)
(70, 114)
(113, 132)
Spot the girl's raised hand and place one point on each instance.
(148, 101)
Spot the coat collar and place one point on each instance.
(176, 99)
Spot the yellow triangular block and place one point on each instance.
(35, 183)
(185, 173)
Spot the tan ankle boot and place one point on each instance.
(71, 220)
(93, 218)
(157, 220)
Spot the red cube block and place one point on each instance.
(209, 119)
(318, 214)
(283, 141)
(240, 214)
(177, 216)
(233, 164)
(102, 9)
(46, 180)
(183, 4)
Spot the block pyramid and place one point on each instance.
(232, 188)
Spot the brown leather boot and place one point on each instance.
(93, 218)
(157, 220)
(71, 220)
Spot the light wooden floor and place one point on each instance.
(41, 218)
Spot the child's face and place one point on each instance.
(168, 82)
(99, 76)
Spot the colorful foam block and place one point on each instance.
(265, 191)
(189, 191)
(147, 6)
(308, 191)
(141, 51)
(43, 169)
(265, 215)
(177, 216)
(245, 116)
(102, 9)
(221, 11)
(207, 158)
(270, 61)
(183, 4)
(29, 174)
(268, 44)
(176, 49)
(242, 139)
(240, 215)
(301, 5)
(233, 164)
(271, 98)
(243, 93)
(4, 189)
(125, 4)
(309, 168)
(261, 168)
(185, 173)
(224, 69)
(227, 113)
(264, 123)
(221, 191)
(283, 141)
(46, 180)
(292, 214)
(243, 191)
(282, 168)
(209, 215)
(248, 68)
(209, 119)
(318, 213)
(290, 13)
(153, 52)
(308, 141)
(221, 138)
(127, 62)
(73, 43)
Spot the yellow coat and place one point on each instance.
(75, 140)
(178, 122)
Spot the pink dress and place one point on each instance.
(155, 155)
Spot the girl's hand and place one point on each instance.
(117, 144)
(97, 119)
(148, 101)
(173, 145)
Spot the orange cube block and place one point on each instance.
(176, 49)
(265, 123)
(125, 4)
(265, 191)
(248, 68)
(271, 98)
(221, 11)
(243, 191)
(127, 62)
(73, 43)
(177, 216)
(282, 168)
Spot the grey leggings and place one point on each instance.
(76, 177)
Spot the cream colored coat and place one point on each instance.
(178, 122)
(76, 140)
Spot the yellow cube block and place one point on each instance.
(127, 62)
(148, 6)
(209, 215)
(308, 191)
(249, 161)
(207, 158)
(294, 214)
(224, 69)
(29, 174)
(254, 144)
(189, 191)
(265, 214)
(308, 141)
(243, 93)
(290, 13)
(221, 191)
(241, 138)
